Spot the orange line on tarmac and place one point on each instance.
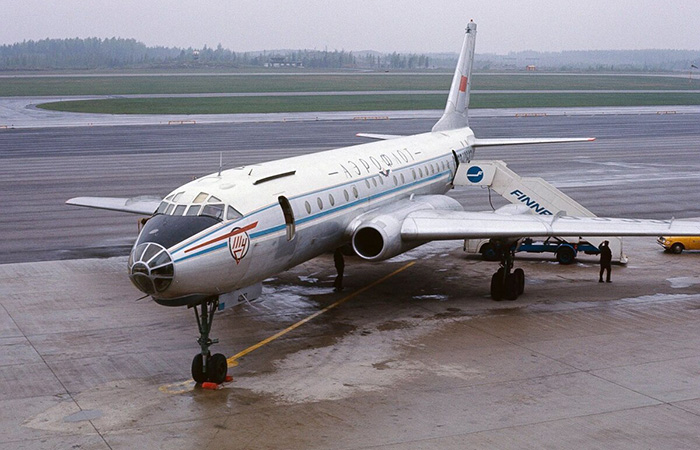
(232, 360)
(188, 385)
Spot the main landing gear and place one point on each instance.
(507, 285)
(205, 366)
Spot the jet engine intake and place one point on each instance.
(376, 235)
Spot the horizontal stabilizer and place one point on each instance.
(136, 205)
(381, 137)
(517, 141)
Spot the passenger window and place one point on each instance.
(413, 171)
(308, 207)
(374, 181)
(420, 172)
(193, 210)
(354, 192)
(381, 180)
(320, 202)
(395, 181)
(403, 180)
(232, 214)
(179, 210)
(200, 197)
(331, 200)
(367, 183)
(347, 196)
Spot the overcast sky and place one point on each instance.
(384, 25)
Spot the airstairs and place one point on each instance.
(536, 193)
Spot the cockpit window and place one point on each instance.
(232, 214)
(216, 211)
(202, 205)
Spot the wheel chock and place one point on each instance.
(210, 385)
(228, 379)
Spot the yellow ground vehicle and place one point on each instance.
(676, 244)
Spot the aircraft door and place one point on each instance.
(288, 217)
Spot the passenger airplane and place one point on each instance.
(228, 231)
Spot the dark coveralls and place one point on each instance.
(340, 268)
(605, 258)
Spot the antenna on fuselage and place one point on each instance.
(221, 162)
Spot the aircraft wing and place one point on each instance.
(381, 137)
(517, 141)
(445, 225)
(146, 205)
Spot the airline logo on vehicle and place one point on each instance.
(475, 174)
(239, 243)
(527, 200)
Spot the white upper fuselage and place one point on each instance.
(327, 191)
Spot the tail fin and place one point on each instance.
(455, 115)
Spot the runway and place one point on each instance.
(422, 359)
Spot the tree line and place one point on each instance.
(119, 53)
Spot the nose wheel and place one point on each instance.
(507, 284)
(205, 366)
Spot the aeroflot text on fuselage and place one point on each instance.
(384, 161)
(531, 203)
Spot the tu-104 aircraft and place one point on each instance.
(228, 231)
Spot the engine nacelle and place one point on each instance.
(376, 235)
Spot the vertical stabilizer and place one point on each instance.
(455, 115)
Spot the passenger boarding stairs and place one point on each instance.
(535, 192)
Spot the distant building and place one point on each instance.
(280, 61)
(530, 68)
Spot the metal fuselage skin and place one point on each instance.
(327, 192)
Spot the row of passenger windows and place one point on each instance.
(376, 181)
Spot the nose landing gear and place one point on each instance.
(205, 366)
(507, 285)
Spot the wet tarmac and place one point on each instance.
(423, 359)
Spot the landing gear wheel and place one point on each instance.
(217, 368)
(677, 248)
(497, 285)
(206, 367)
(198, 374)
(566, 255)
(519, 275)
(512, 288)
(507, 285)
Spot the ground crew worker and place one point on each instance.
(340, 268)
(605, 259)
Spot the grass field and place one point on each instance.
(182, 84)
(265, 104)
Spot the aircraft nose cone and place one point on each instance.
(151, 268)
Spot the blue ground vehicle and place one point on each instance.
(565, 251)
